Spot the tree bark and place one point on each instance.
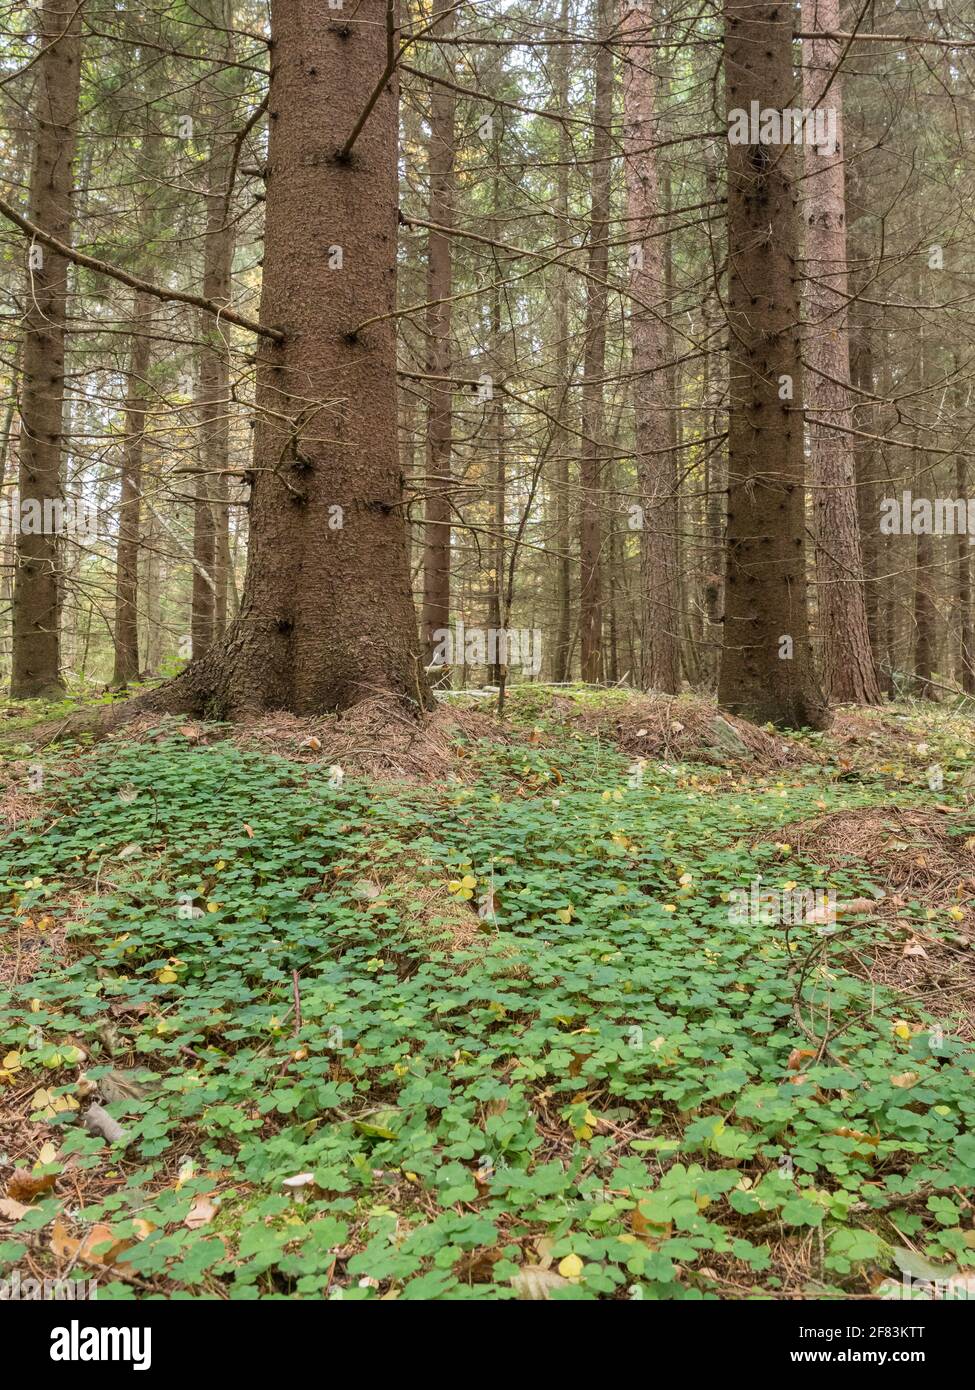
(130, 498)
(563, 581)
(766, 665)
(594, 362)
(435, 616)
(965, 664)
(36, 668)
(326, 616)
(849, 673)
(211, 513)
(656, 460)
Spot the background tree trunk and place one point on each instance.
(594, 362)
(130, 497)
(849, 675)
(439, 483)
(36, 609)
(653, 403)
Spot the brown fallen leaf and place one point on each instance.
(797, 1056)
(856, 905)
(904, 1079)
(248, 830)
(190, 732)
(914, 948)
(99, 1246)
(11, 1210)
(23, 1185)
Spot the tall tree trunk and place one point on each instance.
(36, 609)
(497, 671)
(211, 512)
(215, 380)
(130, 499)
(716, 485)
(656, 459)
(965, 664)
(438, 487)
(594, 362)
(925, 610)
(326, 616)
(766, 663)
(867, 471)
(849, 674)
(563, 581)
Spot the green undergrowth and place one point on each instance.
(532, 1036)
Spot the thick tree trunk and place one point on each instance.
(36, 609)
(656, 460)
(326, 616)
(849, 674)
(435, 616)
(766, 664)
(130, 498)
(594, 362)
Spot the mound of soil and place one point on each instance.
(374, 739)
(911, 854)
(683, 728)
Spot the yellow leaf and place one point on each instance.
(571, 1267)
(12, 1061)
(901, 1030)
(166, 977)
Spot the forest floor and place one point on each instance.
(476, 1012)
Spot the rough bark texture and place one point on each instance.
(765, 605)
(965, 663)
(563, 583)
(436, 530)
(594, 361)
(36, 646)
(849, 673)
(130, 498)
(211, 518)
(716, 489)
(656, 460)
(326, 616)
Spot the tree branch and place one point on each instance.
(115, 273)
